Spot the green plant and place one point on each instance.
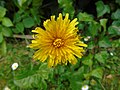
(5, 30)
(99, 68)
(26, 16)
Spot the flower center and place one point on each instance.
(58, 42)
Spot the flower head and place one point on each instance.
(111, 54)
(7, 88)
(85, 87)
(14, 66)
(87, 38)
(59, 42)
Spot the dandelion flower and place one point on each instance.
(85, 87)
(59, 42)
(14, 66)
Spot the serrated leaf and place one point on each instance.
(7, 22)
(2, 11)
(84, 17)
(102, 8)
(33, 78)
(29, 82)
(44, 70)
(98, 73)
(20, 27)
(28, 22)
(6, 31)
(43, 85)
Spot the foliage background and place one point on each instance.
(99, 69)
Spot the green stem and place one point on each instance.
(101, 85)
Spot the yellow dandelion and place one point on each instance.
(59, 42)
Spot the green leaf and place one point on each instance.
(101, 8)
(98, 73)
(3, 48)
(35, 15)
(87, 75)
(29, 82)
(2, 11)
(76, 78)
(101, 57)
(114, 28)
(88, 60)
(21, 2)
(37, 3)
(33, 78)
(116, 14)
(105, 42)
(94, 28)
(17, 17)
(7, 22)
(84, 17)
(44, 71)
(20, 27)
(103, 23)
(1, 37)
(81, 26)
(91, 45)
(6, 31)
(67, 6)
(75, 85)
(14, 30)
(69, 9)
(28, 22)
